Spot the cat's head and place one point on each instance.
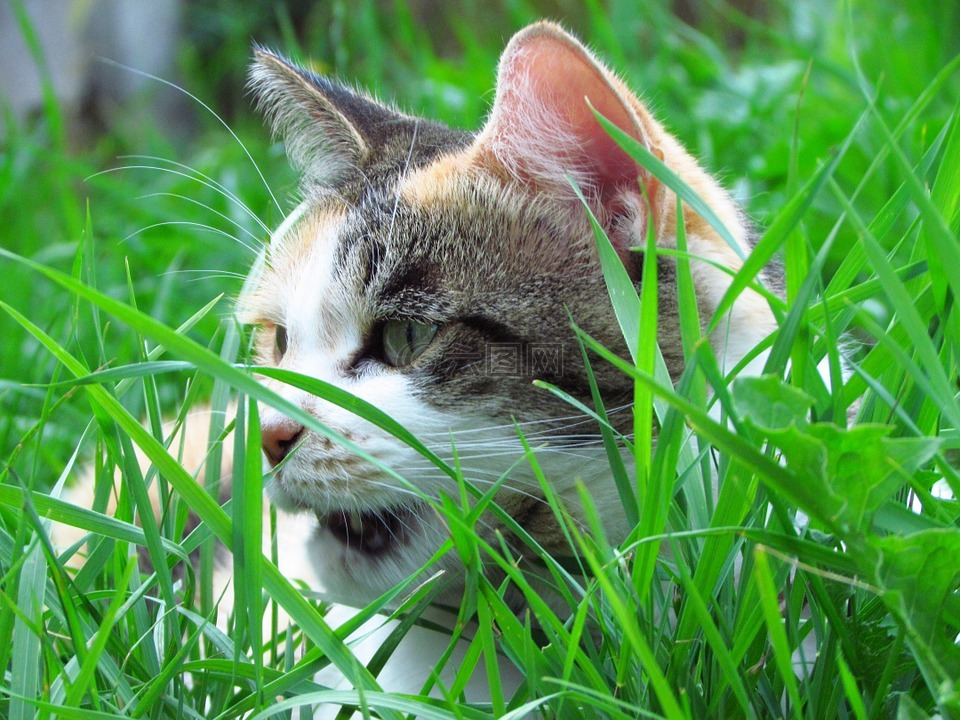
(434, 273)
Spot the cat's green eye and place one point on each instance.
(280, 343)
(405, 340)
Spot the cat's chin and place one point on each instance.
(375, 533)
(359, 556)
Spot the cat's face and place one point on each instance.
(433, 273)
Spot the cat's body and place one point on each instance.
(421, 259)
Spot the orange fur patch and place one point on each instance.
(435, 182)
(285, 255)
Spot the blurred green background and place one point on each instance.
(760, 91)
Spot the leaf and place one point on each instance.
(908, 709)
(782, 651)
(918, 577)
(865, 467)
(767, 402)
(807, 457)
(849, 474)
(25, 674)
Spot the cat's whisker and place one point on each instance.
(209, 273)
(556, 429)
(403, 176)
(210, 110)
(424, 472)
(171, 171)
(206, 275)
(507, 441)
(199, 226)
(392, 488)
(202, 177)
(579, 418)
(419, 517)
(515, 486)
(509, 438)
(429, 473)
(259, 241)
(538, 450)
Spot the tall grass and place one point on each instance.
(821, 581)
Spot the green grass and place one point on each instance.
(839, 129)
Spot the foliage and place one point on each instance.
(821, 581)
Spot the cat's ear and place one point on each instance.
(324, 125)
(542, 129)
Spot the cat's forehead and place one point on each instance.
(330, 247)
(418, 241)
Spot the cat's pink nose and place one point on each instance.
(279, 436)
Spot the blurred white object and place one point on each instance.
(74, 35)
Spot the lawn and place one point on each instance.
(822, 581)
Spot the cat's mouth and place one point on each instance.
(375, 533)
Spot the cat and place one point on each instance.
(421, 256)
(433, 273)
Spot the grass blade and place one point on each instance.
(770, 604)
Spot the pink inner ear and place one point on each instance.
(547, 81)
